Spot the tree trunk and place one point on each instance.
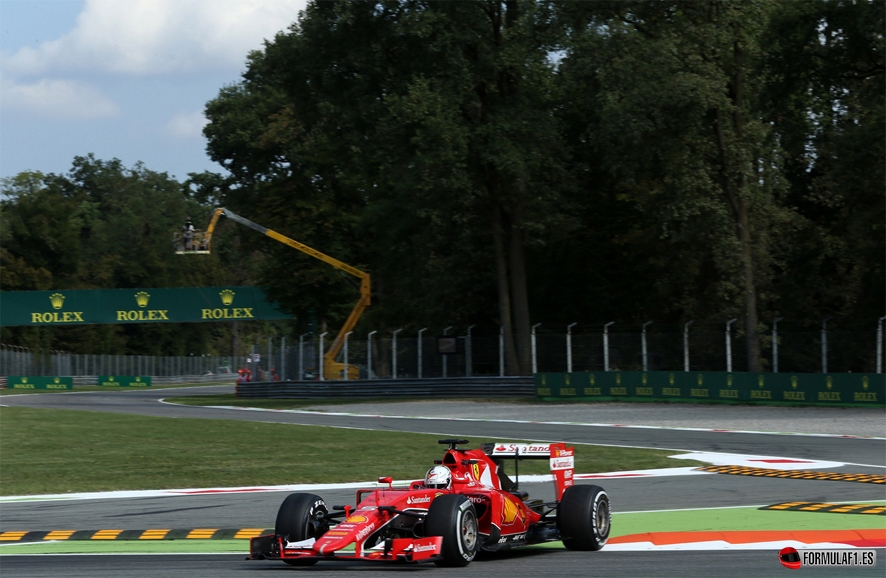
(504, 293)
(734, 179)
(520, 293)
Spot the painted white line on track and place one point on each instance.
(520, 421)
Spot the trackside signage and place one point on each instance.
(39, 382)
(114, 306)
(693, 386)
(124, 380)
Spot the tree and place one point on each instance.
(377, 109)
(678, 126)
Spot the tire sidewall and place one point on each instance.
(601, 499)
(445, 518)
(577, 517)
(295, 515)
(466, 554)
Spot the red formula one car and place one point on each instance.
(465, 504)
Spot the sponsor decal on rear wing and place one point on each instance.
(563, 467)
(511, 449)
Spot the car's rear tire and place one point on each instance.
(454, 518)
(301, 517)
(584, 517)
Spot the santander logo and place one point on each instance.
(418, 500)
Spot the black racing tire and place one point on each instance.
(454, 517)
(584, 517)
(301, 517)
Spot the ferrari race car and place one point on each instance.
(466, 504)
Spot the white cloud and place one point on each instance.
(186, 125)
(60, 99)
(159, 36)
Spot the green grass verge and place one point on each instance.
(45, 451)
(727, 519)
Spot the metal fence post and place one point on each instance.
(880, 345)
(282, 373)
(686, 345)
(420, 331)
(394, 354)
(729, 344)
(534, 351)
(775, 344)
(824, 344)
(320, 355)
(643, 348)
(469, 359)
(446, 357)
(501, 351)
(606, 345)
(569, 346)
(301, 356)
(348, 334)
(369, 354)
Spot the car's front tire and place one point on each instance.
(584, 517)
(301, 517)
(454, 518)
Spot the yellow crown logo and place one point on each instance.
(56, 380)
(24, 380)
(142, 298)
(110, 378)
(227, 296)
(57, 300)
(794, 381)
(760, 380)
(864, 382)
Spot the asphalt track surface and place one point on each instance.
(259, 510)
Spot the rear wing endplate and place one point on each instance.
(562, 459)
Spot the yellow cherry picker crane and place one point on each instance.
(193, 241)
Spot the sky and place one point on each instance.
(125, 79)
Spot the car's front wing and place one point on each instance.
(410, 550)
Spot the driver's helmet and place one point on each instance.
(438, 477)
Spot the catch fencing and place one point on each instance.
(555, 350)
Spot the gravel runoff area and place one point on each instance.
(868, 422)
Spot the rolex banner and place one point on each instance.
(39, 382)
(124, 380)
(103, 306)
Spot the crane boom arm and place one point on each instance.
(331, 369)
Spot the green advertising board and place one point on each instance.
(39, 382)
(775, 388)
(124, 380)
(113, 306)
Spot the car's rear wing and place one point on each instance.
(562, 459)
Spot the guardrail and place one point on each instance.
(455, 387)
